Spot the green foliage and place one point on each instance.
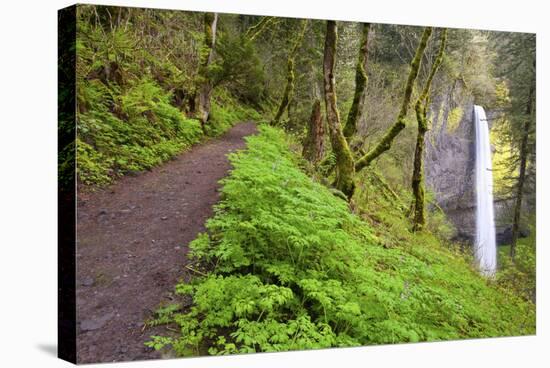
(226, 111)
(92, 166)
(292, 268)
(520, 275)
(453, 120)
(132, 94)
(238, 67)
(133, 130)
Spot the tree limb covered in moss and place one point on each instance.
(385, 142)
(361, 78)
(255, 30)
(289, 88)
(345, 169)
(421, 106)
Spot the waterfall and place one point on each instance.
(485, 246)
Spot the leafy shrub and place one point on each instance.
(289, 267)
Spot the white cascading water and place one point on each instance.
(485, 246)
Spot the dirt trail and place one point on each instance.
(132, 245)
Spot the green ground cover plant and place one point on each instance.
(286, 265)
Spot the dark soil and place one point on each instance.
(132, 240)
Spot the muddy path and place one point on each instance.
(132, 242)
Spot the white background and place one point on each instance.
(28, 256)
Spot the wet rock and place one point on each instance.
(450, 158)
(504, 234)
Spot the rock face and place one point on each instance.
(450, 164)
(450, 158)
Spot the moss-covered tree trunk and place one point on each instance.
(345, 169)
(313, 143)
(206, 56)
(522, 172)
(289, 88)
(385, 142)
(358, 104)
(421, 106)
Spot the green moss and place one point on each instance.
(454, 118)
(255, 30)
(345, 167)
(361, 79)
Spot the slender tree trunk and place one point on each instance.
(289, 88)
(207, 54)
(358, 104)
(421, 107)
(385, 142)
(522, 169)
(345, 169)
(419, 212)
(313, 144)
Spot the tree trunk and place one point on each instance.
(313, 144)
(522, 169)
(345, 169)
(358, 104)
(289, 88)
(421, 107)
(207, 54)
(385, 142)
(419, 219)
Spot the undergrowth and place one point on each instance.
(285, 265)
(128, 116)
(128, 131)
(520, 275)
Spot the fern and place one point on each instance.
(292, 268)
